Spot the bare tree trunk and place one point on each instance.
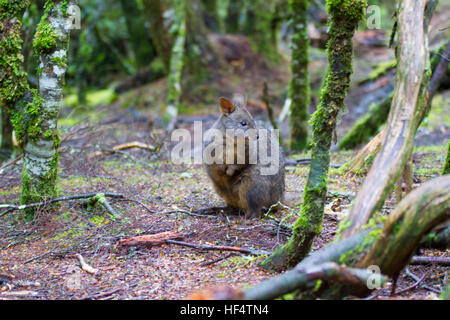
(345, 17)
(408, 102)
(40, 166)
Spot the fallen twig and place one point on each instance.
(221, 248)
(412, 286)
(102, 294)
(216, 260)
(9, 163)
(66, 198)
(416, 278)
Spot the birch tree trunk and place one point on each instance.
(40, 166)
(407, 104)
(345, 17)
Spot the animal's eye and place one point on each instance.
(243, 123)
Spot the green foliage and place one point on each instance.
(447, 160)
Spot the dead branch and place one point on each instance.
(150, 239)
(411, 286)
(10, 163)
(220, 248)
(124, 146)
(59, 199)
(445, 261)
(84, 265)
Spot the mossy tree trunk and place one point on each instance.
(13, 78)
(6, 143)
(344, 19)
(176, 65)
(299, 85)
(40, 166)
(447, 160)
(408, 102)
(160, 36)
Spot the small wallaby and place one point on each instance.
(247, 185)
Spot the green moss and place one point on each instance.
(299, 90)
(447, 160)
(45, 38)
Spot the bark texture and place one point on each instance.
(299, 84)
(40, 165)
(407, 103)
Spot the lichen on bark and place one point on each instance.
(344, 18)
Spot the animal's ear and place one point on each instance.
(226, 106)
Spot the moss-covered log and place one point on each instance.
(176, 65)
(344, 18)
(40, 136)
(412, 79)
(299, 85)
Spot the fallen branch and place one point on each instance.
(216, 260)
(124, 146)
(220, 248)
(59, 199)
(445, 261)
(9, 163)
(102, 294)
(86, 267)
(150, 239)
(411, 286)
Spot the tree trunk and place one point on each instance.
(407, 103)
(160, 36)
(6, 145)
(299, 84)
(345, 17)
(447, 160)
(176, 66)
(40, 165)
(13, 82)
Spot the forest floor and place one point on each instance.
(40, 260)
